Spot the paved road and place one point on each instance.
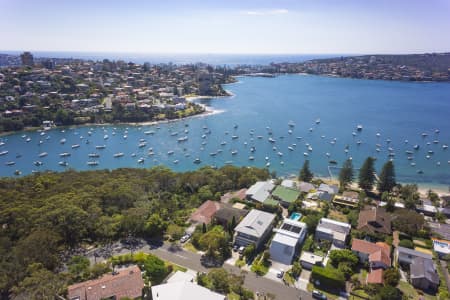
(191, 260)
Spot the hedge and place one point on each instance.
(328, 277)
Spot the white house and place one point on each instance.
(254, 228)
(286, 241)
(309, 259)
(333, 231)
(260, 191)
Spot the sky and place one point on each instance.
(226, 26)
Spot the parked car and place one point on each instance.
(318, 295)
(241, 250)
(185, 238)
(235, 247)
(280, 274)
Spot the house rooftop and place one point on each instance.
(407, 251)
(183, 290)
(205, 212)
(310, 257)
(124, 283)
(285, 194)
(255, 223)
(376, 276)
(260, 191)
(424, 268)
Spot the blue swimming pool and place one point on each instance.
(295, 216)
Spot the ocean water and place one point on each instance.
(213, 59)
(263, 107)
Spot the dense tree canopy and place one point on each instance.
(44, 215)
(305, 172)
(387, 178)
(346, 174)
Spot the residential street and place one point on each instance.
(191, 260)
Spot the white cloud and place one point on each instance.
(265, 12)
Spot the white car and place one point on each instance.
(185, 238)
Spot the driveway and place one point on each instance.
(303, 280)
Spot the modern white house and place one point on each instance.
(260, 191)
(254, 228)
(333, 231)
(309, 259)
(286, 241)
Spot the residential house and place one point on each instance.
(309, 259)
(405, 256)
(330, 189)
(205, 213)
(374, 220)
(260, 191)
(286, 241)
(441, 247)
(423, 274)
(375, 277)
(305, 187)
(348, 198)
(377, 254)
(227, 213)
(289, 183)
(334, 231)
(254, 228)
(181, 286)
(124, 283)
(286, 196)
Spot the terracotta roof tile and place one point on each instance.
(205, 212)
(376, 276)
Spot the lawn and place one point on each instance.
(412, 293)
(361, 293)
(188, 246)
(337, 216)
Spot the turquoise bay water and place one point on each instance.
(398, 111)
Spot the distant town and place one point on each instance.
(72, 91)
(66, 91)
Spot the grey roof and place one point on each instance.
(255, 223)
(260, 191)
(407, 251)
(333, 225)
(305, 186)
(330, 189)
(424, 268)
(442, 230)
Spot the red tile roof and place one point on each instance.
(127, 283)
(379, 252)
(205, 212)
(376, 276)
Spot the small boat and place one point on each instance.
(359, 127)
(141, 160)
(43, 154)
(170, 152)
(234, 137)
(105, 137)
(444, 147)
(358, 143)
(213, 153)
(149, 132)
(203, 143)
(133, 154)
(234, 152)
(229, 162)
(219, 150)
(10, 163)
(259, 137)
(175, 161)
(327, 154)
(406, 141)
(353, 133)
(17, 172)
(120, 154)
(424, 134)
(280, 154)
(62, 141)
(204, 136)
(235, 126)
(251, 158)
(28, 140)
(64, 154)
(142, 145)
(266, 158)
(291, 124)
(125, 136)
(378, 134)
(223, 143)
(92, 163)
(63, 163)
(435, 142)
(419, 172)
(408, 152)
(174, 133)
(100, 147)
(4, 152)
(305, 154)
(252, 149)
(18, 155)
(38, 163)
(437, 131)
(290, 148)
(75, 146)
(197, 161)
(317, 121)
(290, 131)
(311, 129)
(410, 158)
(430, 151)
(378, 149)
(416, 147)
(413, 164)
(268, 164)
(182, 139)
(332, 162)
(94, 155)
(310, 149)
(271, 140)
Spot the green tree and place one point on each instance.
(410, 195)
(39, 284)
(78, 268)
(345, 255)
(387, 177)
(346, 174)
(155, 269)
(305, 173)
(388, 292)
(366, 178)
(391, 277)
